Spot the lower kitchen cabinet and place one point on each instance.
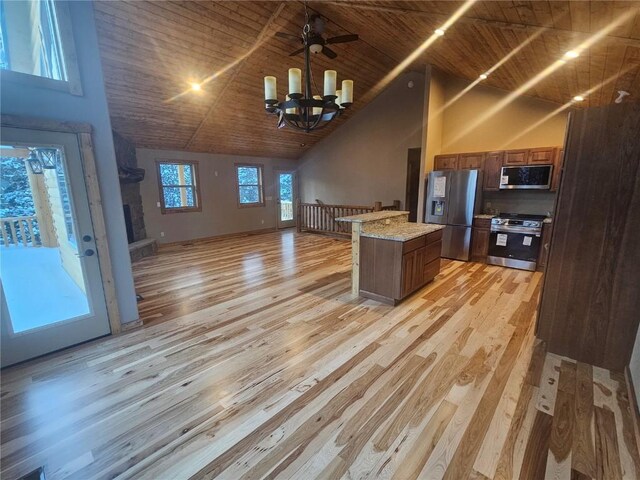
(480, 239)
(391, 270)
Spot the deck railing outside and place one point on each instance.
(16, 231)
(286, 210)
(321, 217)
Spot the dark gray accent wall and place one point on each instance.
(365, 159)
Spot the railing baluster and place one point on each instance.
(14, 236)
(21, 228)
(3, 233)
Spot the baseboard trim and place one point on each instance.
(633, 403)
(217, 237)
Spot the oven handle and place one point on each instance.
(527, 231)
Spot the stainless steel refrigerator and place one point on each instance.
(453, 197)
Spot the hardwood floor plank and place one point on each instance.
(607, 454)
(534, 462)
(583, 459)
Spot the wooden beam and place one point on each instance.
(530, 29)
(236, 70)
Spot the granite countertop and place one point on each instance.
(400, 232)
(372, 217)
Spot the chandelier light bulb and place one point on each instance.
(439, 32)
(483, 76)
(578, 98)
(572, 54)
(196, 87)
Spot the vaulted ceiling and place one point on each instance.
(151, 51)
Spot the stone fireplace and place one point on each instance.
(130, 177)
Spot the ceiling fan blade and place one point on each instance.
(288, 36)
(343, 39)
(297, 52)
(328, 52)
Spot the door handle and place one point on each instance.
(87, 253)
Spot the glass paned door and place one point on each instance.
(286, 194)
(50, 281)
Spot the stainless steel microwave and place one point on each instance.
(526, 177)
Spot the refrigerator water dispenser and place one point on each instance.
(437, 208)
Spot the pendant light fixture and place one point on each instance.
(303, 110)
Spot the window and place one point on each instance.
(36, 45)
(178, 182)
(250, 190)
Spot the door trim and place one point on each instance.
(82, 131)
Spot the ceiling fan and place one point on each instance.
(313, 31)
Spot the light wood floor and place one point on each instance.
(257, 362)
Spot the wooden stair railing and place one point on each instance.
(320, 217)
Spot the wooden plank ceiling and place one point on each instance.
(151, 51)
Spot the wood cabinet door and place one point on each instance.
(516, 157)
(412, 271)
(492, 169)
(445, 162)
(557, 170)
(480, 244)
(541, 156)
(467, 161)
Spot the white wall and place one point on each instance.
(220, 213)
(365, 159)
(19, 99)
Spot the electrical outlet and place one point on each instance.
(162, 234)
(262, 222)
(158, 204)
(215, 173)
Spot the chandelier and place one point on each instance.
(304, 110)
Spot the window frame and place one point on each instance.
(72, 84)
(195, 165)
(260, 185)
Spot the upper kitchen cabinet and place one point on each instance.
(445, 162)
(492, 167)
(541, 156)
(468, 161)
(516, 157)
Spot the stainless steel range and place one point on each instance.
(515, 240)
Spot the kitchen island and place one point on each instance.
(391, 257)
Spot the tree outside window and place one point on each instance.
(250, 187)
(178, 182)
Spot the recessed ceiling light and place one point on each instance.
(578, 98)
(572, 54)
(196, 87)
(483, 76)
(439, 32)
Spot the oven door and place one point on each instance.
(514, 247)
